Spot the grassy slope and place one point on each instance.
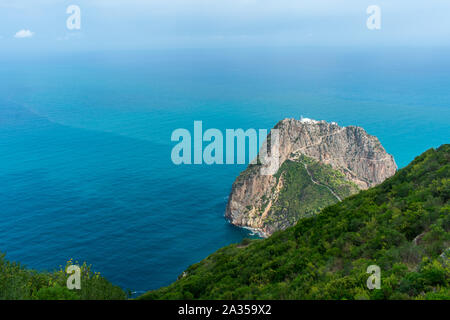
(300, 197)
(326, 256)
(19, 283)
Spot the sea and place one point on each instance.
(85, 142)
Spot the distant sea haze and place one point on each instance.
(85, 143)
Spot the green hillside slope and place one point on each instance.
(401, 225)
(308, 187)
(20, 283)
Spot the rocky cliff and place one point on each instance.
(320, 163)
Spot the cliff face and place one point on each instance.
(340, 155)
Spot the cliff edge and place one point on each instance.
(320, 164)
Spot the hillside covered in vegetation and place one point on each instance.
(20, 283)
(401, 225)
(308, 187)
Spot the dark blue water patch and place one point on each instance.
(109, 200)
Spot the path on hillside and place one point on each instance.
(323, 185)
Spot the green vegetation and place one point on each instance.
(308, 187)
(326, 175)
(401, 225)
(18, 283)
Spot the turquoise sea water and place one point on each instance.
(85, 167)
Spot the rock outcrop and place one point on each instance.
(343, 152)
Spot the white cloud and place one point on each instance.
(24, 34)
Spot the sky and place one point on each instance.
(27, 25)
